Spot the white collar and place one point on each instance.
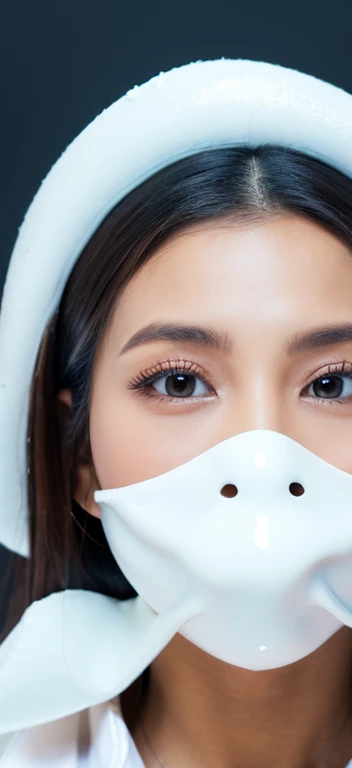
(56, 744)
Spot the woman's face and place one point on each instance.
(263, 298)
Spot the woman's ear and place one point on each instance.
(85, 480)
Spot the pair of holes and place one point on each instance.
(230, 490)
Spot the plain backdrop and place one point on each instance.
(63, 61)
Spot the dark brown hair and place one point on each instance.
(68, 546)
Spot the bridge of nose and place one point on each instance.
(262, 457)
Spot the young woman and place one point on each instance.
(213, 300)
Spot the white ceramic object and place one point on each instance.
(259, 580)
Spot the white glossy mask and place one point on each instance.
(268, 573)
(258, 580)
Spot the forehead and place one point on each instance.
(283, 264)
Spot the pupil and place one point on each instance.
(328, 386)
(178, 382)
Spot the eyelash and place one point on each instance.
(144, 380)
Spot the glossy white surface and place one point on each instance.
(269, 573)
(255, 594)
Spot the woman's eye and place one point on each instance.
(187, 384)
(180, 385)
(332, 386)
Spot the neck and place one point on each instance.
(200, 711)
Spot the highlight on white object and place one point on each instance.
(192, 555)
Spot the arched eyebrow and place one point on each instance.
(302, 341)
(191, 334)
(323, 336)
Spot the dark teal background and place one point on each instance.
(63, 61)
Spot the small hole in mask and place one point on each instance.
(296, 489)
(229, 491)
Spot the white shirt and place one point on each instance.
(94, 738)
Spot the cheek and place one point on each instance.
(128, 448)
(325, 434)
(337, 450)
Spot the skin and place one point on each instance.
(261, 283)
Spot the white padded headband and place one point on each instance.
(204, 105)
